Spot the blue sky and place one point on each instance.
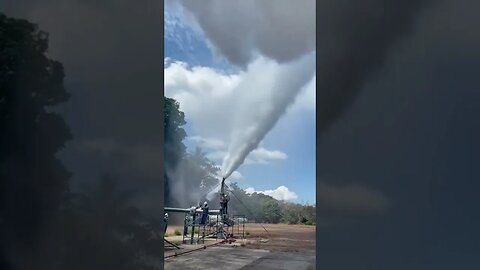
(287, 153)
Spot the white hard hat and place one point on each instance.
(205, 203)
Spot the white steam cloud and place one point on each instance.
(234, 112)
(268, 102)
(275, 50)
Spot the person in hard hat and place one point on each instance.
(226, 199)
(205, 213)
(165, 219)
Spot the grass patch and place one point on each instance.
(166, 235)
(178, 232)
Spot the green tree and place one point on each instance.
(174, 134)
(293, 213)
(271, 211)
(33, 181)
(310, 215)
(263, 208)
(257, 207)
(289, 214)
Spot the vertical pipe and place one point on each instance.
(183, 229)
(193, 228)
(198, 234)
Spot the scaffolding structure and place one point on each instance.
(200, 222)
(240, 221)
(190, 223)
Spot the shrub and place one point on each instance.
(177, 232)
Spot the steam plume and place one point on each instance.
(257, 118)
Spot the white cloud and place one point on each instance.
(216, 155)
(282, 193)
(167, 61)
(264, 156)
(205, 95)
(249, 190)
(236, 176)
(208, 143)
(216, 150)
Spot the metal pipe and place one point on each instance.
(193, 228)
(222, 188)
(188, 210)
(176, 210)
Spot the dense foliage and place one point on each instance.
(258, 207)
(174, 150)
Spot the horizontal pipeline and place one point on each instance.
(189, 210)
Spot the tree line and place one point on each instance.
(258, 207)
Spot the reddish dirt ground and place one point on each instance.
(281, 237)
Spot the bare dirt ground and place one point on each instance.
(280, 237)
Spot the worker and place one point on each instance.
(165, 220)
(226, 199)
(222, 203)
(205, 213)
